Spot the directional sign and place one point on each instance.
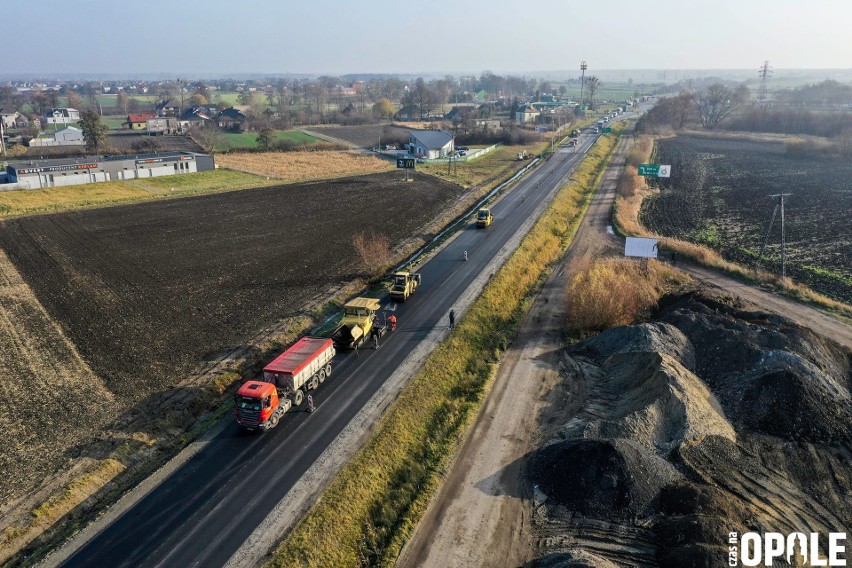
(606, 129)
(655, 170)
(405, 163)
(649, 169)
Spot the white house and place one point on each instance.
(430, 144)
(62, 116)
(13, 120)
(68, 136)
(526, 114)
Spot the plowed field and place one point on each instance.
(147, 292)
(719, 195)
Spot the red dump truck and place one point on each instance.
(261, 404)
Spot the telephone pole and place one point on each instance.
(779, 204)
(583, 68)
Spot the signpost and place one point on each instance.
(606, 129)
(640, 247)
(655, 170)
(405, 164)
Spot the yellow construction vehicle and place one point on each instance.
(359, 321)
(483, 218)
(404, 285)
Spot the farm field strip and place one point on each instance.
(301, 166)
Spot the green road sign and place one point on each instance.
(649, 169)
(606, 129)
(655, 170)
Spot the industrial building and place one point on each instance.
(91, 169)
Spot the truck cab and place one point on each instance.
(258, 406)
(483, 218)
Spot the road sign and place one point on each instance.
(606, 129)
(405, 163)
(655, 170)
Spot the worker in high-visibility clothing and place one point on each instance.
(392, 322)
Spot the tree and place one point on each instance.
(265, 139)
(718, 102)
(198, 99)
(374, 251)
(123, 102)
(383, 109)
(74, 100)
(209, 138)
(593, 84)
(94, 131)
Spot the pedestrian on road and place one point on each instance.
(376, 341)
(452, 319)
(310, 403)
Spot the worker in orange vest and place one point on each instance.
(392, 322)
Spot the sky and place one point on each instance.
(334, 37)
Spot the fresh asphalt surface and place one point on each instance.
(201, 514)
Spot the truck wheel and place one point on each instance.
(328, 370)
(314, 382)
(298, 396)
(273, 420)
(321, 376)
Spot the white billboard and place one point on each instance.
(641, 247)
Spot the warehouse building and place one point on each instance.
(91, 169)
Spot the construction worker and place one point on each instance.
(452, 319)
(375, 341)
(310, 403)
(392, 322)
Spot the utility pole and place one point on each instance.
(780, 204)
(2, 135)
(583, 68)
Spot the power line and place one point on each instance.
(764, 73)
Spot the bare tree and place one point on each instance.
(123, 102)
(209, 138)
(593, 85)
(374, 250)
(718, 102)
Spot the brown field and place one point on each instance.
(301, 166)
(109, 313)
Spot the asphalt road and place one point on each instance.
(202, 513)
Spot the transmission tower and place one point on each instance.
(764, 73)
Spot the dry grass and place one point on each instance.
(302, 166)
(617, 291)
(492, 167)
(371, 507)
(29, 201)
(632, 190)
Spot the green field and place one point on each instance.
(30, 201)
(249, 139)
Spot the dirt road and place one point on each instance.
(481, 516)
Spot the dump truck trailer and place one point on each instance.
(302, 367)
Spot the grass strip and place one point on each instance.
(372, 506)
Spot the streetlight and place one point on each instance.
(583, 68)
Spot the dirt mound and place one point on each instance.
(600, 477)
(652, 337)
(571, 560)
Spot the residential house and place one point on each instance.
(14, 120)
(164, 125)
(430, 144)
(62, 116)
(197, 116)
(231, 119)
(526, 114)
(68, 136)
(167, 108)
(137, 121)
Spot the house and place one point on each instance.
(14, 120)
(166, 108)
(164, 125)
(526, 114)
(430, 144)
(231, 119)
(197, 116)
(68, 136)
(137, 121)
(62, 116)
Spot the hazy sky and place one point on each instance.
(372, 36)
